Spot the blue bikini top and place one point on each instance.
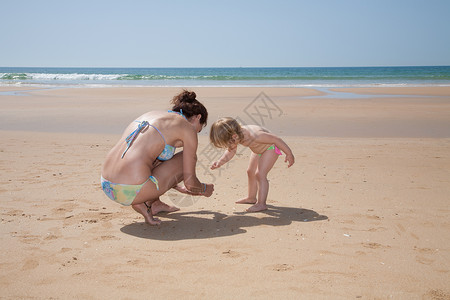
(169, 150)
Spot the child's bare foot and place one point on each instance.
(257, 207)
(247, 201)
(145, 212)
(159, 206)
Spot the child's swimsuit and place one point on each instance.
(126, 193)
(273, 147)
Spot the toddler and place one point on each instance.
(265, 146)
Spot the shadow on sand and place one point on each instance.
(207, 224)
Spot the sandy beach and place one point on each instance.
(363, 213)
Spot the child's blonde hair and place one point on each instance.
(222, 132)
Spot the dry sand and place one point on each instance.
(363, 214)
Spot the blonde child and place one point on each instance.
(265, 146)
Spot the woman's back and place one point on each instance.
(164, 128)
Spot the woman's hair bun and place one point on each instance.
(186, 103)
(184, 96)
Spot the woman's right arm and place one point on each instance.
(191, 182)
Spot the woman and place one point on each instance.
(142, 165)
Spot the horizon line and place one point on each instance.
(228, 67)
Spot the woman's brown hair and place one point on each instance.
(187, 103)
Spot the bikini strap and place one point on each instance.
(152, 179)
(159, 133)
(178, 112)
(130, 138)
(155, 181)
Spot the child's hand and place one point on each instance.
(215, 165)
(290, 159)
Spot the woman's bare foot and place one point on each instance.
(247, 201)
(146, 212)
(159, 206)
(257, 207)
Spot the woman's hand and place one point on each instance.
(182, 189)
(207, 193)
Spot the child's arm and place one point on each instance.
(226, 157)
(270, 138)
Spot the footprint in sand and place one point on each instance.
(424, 260)
(138, 262)
(375, 229)
(282, 267)
(30, 264)
(108, 238)
(231, 253)
(436, 295)
(424, 250)
(30, 239)
(65, 208)
(400, 230)
(51, 237)
(14, 213)
(374, 246)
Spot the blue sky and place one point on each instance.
(137, 33)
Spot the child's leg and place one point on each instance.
(265, 164)
(252, 183)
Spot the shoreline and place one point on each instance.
(263, 77)
(190, 85)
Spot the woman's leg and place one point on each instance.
(265, 164)
(252, 183)
(168, 174)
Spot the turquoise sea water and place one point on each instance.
(278, 77)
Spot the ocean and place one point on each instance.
(233, 77)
